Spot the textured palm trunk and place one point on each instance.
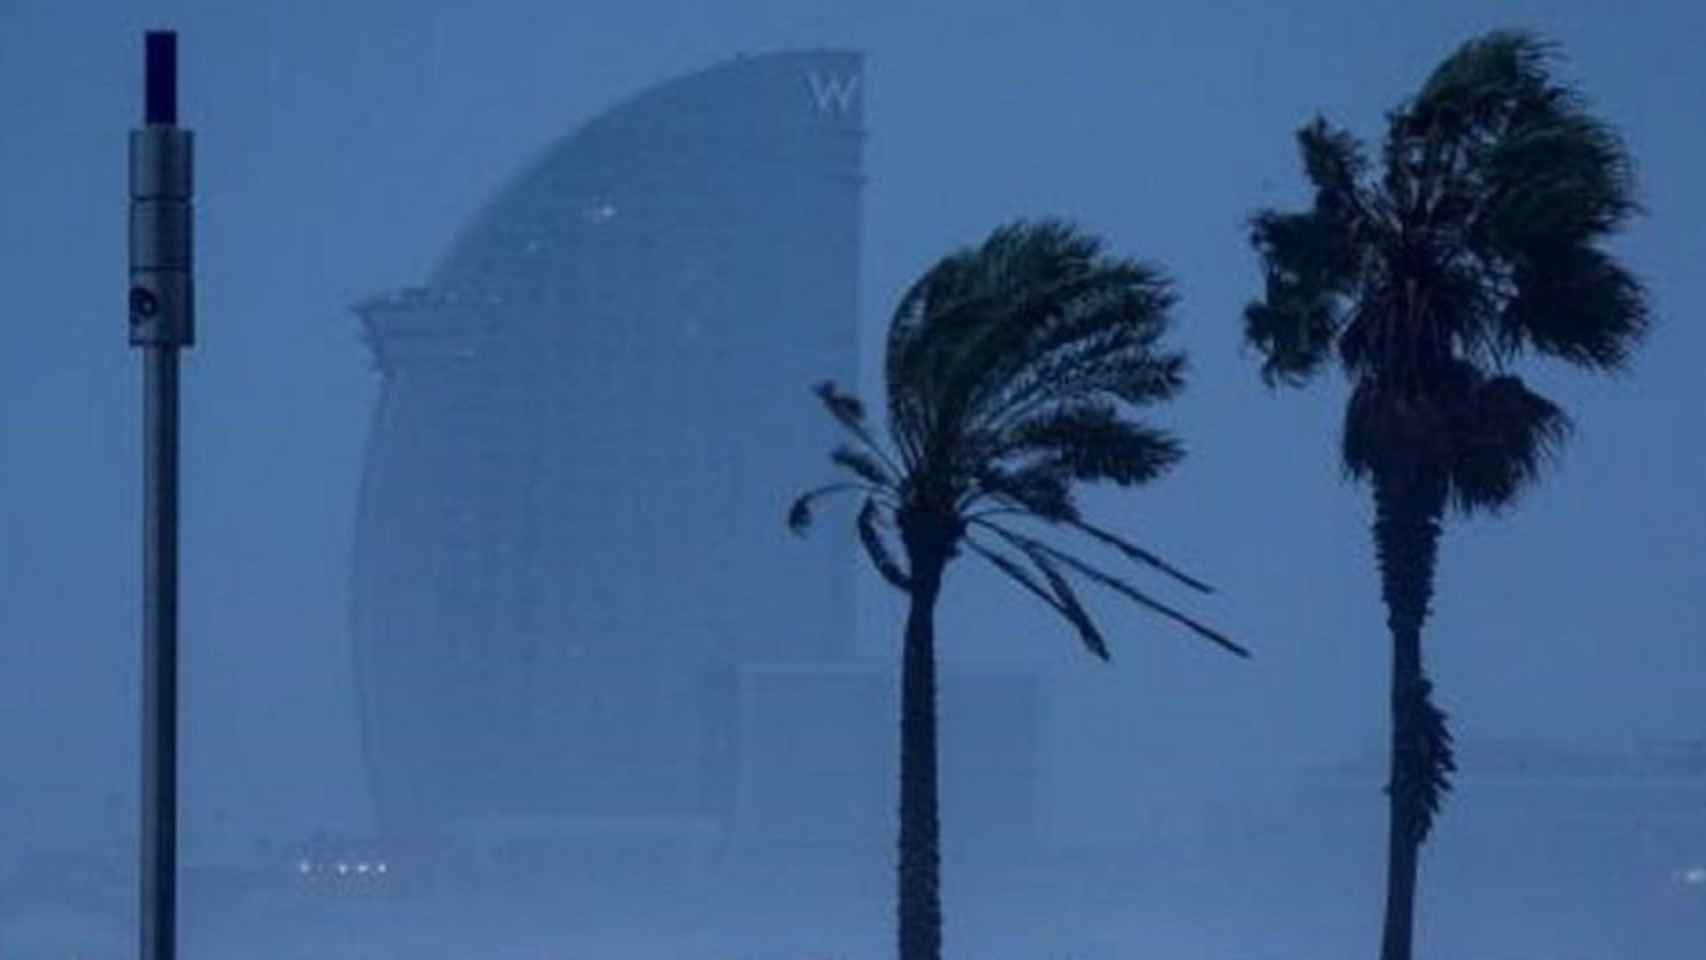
(920, 904)
(1406, 535)
(930, 540)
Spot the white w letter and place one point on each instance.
(832, 91)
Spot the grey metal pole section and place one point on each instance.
(161, 322)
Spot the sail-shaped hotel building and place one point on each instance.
(591, 419)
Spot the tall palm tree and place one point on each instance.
(1008, 366)
(1476, 241)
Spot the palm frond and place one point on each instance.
(1310, 267)
(1030, 544)
(1137, 553)
(800, 512)
(1505, 434)
(1017, 573)
(1334, 162)
(1480, 81)
(1043, 490)
(1577, 304)
(1390, 430)
(1100, 340)
(1090, 442)
(1067, 602)
(865, 466)
(1429, 749)
(1439, 757)
(1100, 360)
(946, 295)
(1557, 179)
(878, 551)
(849, 411)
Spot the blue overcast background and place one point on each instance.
(341, 145)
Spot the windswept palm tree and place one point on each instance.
(1009, 367)
(1474, 243)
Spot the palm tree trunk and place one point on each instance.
(1406, 534)
(920, 903)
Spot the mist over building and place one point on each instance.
(599, 398)
(575, 596)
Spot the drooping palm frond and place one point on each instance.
(1391, 430)
(1440, 760)
(1070, 607)
(1141, 555)
(1058, 593)
(878, 551)
(1015, 572)
(1506, 434)
(1430, 748)
(1042, 553)
(800, 511)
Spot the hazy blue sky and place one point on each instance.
(341, 145)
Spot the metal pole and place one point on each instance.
(161, 322)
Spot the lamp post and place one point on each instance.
(161, 323)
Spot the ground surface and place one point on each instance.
(1494, 887)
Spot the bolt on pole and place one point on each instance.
(161, 323)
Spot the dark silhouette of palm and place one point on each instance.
(1008, 366)
(1474, 243)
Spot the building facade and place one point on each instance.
(591, 420)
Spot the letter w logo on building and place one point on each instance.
(833, 91)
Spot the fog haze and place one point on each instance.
(340, 148)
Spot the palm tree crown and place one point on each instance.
(1477, 242)
(1007, 368)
